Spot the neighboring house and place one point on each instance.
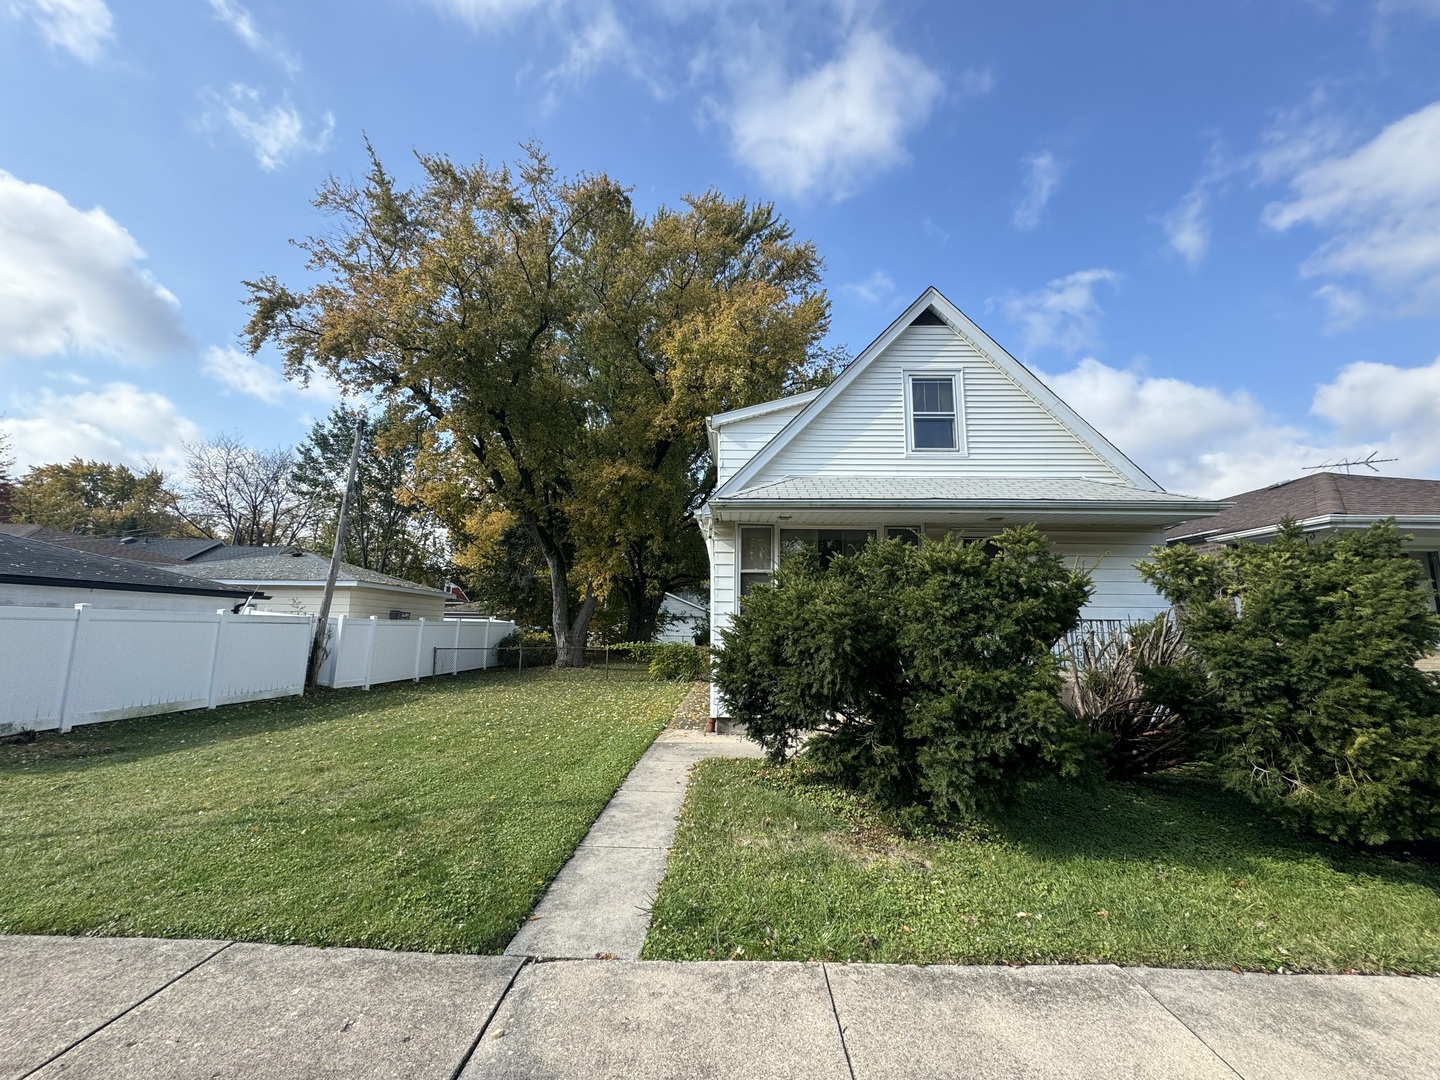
(1325, 503)
(295, 582)
(932, 430)
(680, 617)
(37, 573)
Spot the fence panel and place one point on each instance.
(61, 667)
(34, 655)
(367, 652)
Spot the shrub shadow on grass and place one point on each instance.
(142, 737)
(1181, 818)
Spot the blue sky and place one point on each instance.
(1214, 228)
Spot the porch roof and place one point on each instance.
(944, 499)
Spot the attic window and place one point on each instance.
(934, 420)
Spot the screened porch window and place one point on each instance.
(932, 413)
(757, 557)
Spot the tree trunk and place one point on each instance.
(642, 609)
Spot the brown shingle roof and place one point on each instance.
(1320, 494)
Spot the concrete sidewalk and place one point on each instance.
(599, 903)
(140, 1008)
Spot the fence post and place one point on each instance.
(419, 648)
(455, 655)
(485, 646)
(215, 657)
(370, 648)
(82, 620)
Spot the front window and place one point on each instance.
(933, 419)
(829, 542)
(757, 557)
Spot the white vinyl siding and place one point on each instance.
(862, 431)
(740, 440)
(1120, 593)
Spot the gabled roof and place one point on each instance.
(932, 306)
(36, 562)
(290, 565)
(764, 407)
(1319, 496)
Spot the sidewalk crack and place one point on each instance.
(1198, 1038)
(126, 1012)
(489, 1019)
(835, 1012)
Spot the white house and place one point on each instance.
(933, 429)
(681, 616)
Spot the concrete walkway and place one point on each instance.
(599, 904)
(126, 1009)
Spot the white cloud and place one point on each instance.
(829, 129)
(1208, 441)
(1379, 203)
(483, 14)
(1187, 227)
(119, 422)
(245, 373)
(1064, 314)
(276, 135)
(82, 27)
(1042, 178)
(242, 22)
(70, 281)
(875, 290)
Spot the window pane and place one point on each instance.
(749, 581)
(933, 395)
(852, 540)
(792, 540)
(755, 553)
(906, 536)
(934, 433)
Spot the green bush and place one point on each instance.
(926, 673)
(1309, 650)
(533, 648)
(671, 659)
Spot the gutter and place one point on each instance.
(1108, 506)
(1315, 524)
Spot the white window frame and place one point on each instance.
(740, 569)
(957, 379)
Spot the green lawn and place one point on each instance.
(425, 817)
(1173, 871)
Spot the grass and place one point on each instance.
(770, 863)
(425, 817)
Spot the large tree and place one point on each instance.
(390, 529)
(97, 498)
(565, 346)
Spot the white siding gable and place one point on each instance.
(738, 441)
(861, 429)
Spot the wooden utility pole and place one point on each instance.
(322, 625)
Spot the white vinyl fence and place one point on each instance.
(65, 666)
(362, 652)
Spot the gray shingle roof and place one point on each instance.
(980, 490)
(289, 564)
(36, 562)
(1318, 495)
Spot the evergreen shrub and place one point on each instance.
(925, 673)
(1309, 651)
(671, 659)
